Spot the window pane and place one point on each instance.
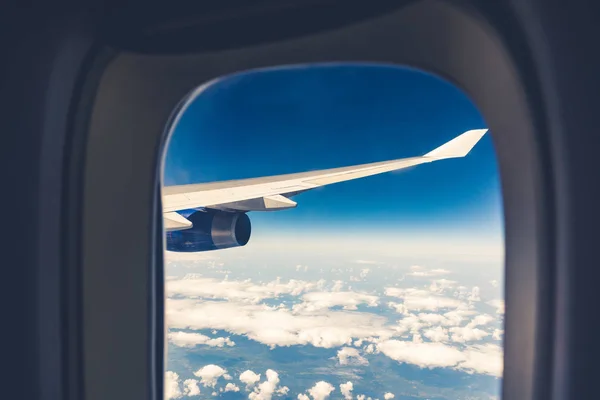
(385, 286)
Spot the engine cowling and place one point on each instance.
(211, 230)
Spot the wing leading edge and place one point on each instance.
(273, 193)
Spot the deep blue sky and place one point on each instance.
(298, 119)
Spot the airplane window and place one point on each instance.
(333, 232)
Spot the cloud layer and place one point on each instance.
(428, 320)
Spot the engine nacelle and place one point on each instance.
(211, 230)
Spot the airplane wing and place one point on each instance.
(273, 193)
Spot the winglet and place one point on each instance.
(460, 146)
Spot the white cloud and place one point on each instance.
(437, 334)
(499, 304)
(439, 285)
(231, 387)
(483, 359)
(315, 301)
(346, 389)
(266, 389)
(210, 374)
(434, 321)
(194, 286)
(191, 388)
(189, 339)
(360, 397)
(474, 296)
(283, 390)
(321, 390)
(388, 396)
(337, 286)
(364, 272)
(463, 334)
(482, 319)
(249, 378)
(274, 326)
(424, 355)
(351, 356)
(302, 396)
(497, 335)
(494, 283)
(455, 317)
(418, 299)
(172, 389)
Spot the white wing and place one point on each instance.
(273, 192)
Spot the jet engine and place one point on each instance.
(211, 230)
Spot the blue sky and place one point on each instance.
(312, 117)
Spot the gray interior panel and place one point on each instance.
(134, 102)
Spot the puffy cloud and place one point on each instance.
(398, 307)
(467, 334)
(364, 272)
(424, 355)
(435, 321)
(337, 286)
(482, 319)
(191, 388)
(439, 285)
(172, 388)
(351, 356)
(302, 396)
(456, 317)
(194, 286)
(274, 326)
(346, 389)
(283, 390)
(470, 332)
(231, 387)
(483, 359)
(388, 396)
(497, 335)
(418, 299)
(249, 378)
(498, 304)
(437, 334)
(266, 389)
(210, 374)
(315, 301)
(474, 295)
(189, 339)
(321, 390)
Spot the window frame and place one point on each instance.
(132, 99)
